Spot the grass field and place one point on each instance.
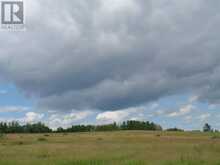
(110, 148)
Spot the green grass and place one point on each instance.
(111, 148)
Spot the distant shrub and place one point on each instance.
(175, 130)
(99, 139)
(46, 135)
(42, 139)
(1, 135)
(20, 143)
(43, 156)
(158, 135)
(215, 137)
(196, 131)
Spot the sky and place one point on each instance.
(100, 61)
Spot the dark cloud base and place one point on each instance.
(114, 54)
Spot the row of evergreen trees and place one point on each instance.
(128, 125)
(15, 127)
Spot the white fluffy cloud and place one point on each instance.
(28, 117)
(66, 120)
(32, 117)
(5, 109)
(183, 111)
(122, 115)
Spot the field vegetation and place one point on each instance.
(111, 148)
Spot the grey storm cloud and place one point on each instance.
(114, 54)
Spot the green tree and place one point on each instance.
(207, 128)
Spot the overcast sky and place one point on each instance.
(99, 61)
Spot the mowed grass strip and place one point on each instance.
(111, 148)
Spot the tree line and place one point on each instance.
(15, 127)
(128, 125)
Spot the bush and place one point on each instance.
(207, 128)
(42, 139)
(1, 135)
(175, 130)
(158, 135)
(20, 143)
(46, 135)
(215, 137)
